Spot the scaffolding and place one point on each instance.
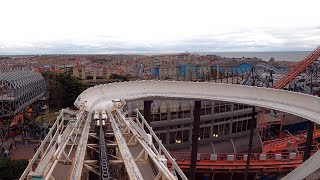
(18, 90)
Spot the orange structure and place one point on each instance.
(225, 163)
(298, 69)
(278, 145)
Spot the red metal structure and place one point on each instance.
(298, 69)
(278, 145)
(263, 163)
(273, 158)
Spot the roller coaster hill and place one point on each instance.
(22, 98)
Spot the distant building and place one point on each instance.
(166, 70)
(156, 71)
(243, 67)
(172, 121)
(188, 71)
(272, 59)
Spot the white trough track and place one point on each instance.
(100, 97)
(111, 98)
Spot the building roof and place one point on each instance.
(20, 78)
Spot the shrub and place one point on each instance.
(12, 169)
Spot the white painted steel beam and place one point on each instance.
(302, 105)
(145, 141)
(131, 166)
(305, 169)
(79, 157)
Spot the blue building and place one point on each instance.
(221, 69)
(156, 71)
(241, 68)
(188, 70)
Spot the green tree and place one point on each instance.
(12, 169)
(118, 77)
(63, 89)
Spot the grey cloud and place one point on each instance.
(247, 40)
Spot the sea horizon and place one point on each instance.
(264, 55)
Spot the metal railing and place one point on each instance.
(161, 149)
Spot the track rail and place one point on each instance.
(286, 143)
(131, 166)
(298, 69)
(298, 104)
(104, 161)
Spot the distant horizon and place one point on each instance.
(157, 27)
(154, 53)
(292, 56)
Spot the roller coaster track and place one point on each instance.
(236, 163)
(104, 161)
(269, 67)
(298, 69)
(279, 145)
(138, 149)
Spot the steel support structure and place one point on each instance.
(195, 139)
(53, 148)
(252, 123)
(309, 141)
(147, 111)
(18, 90)
(157, 154)
(128, 160)
(305, 169)
(298, 69)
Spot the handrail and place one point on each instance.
(77, 162)
(31, 162)
(163, 149)
(148, 148)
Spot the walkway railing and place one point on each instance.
(286, 143)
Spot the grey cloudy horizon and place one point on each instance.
(99, 27)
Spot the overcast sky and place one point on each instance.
(147, 26)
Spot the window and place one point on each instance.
(163, 137)
(226, 129)
(174, 115)
(245, 124)
(221, 129)
(236, 107)
(228, 107)
(234, 126)
(163, 116)
(215, 129)
(204, 132)
(208, 110)
(185, 136)
(239, 126)
(173, 137)
(156, 117)
(186, 114)
(203, 111)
